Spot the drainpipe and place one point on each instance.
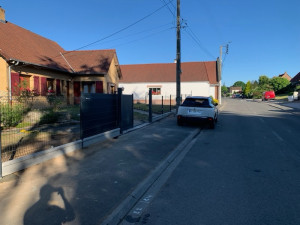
(9, 83)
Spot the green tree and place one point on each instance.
(224, 89)
(247, 91)
(254, 84)
(239, 84)
(277, 83)
(263, 80)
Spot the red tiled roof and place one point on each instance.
(91, 61)
(166, 72)
(296, 78)
(285, 75)
(23, 45)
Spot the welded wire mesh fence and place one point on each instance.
(160, 104)
(34, 124)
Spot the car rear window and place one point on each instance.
(196, 102)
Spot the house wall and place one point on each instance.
(3, 77)
(140, 90)
(113, 74)
(31, 71)
(111, 77)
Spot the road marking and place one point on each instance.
(135, 214)
(277, 135)
(130, 202)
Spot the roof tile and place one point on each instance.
(20, 44)
(166, 72)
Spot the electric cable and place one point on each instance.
(125, 28)
(197, 41)
(137, 33)
(150, 35)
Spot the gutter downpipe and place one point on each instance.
(9, 83)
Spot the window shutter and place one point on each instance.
(99, 86)
(15, 81)
(58, 92)
(37, 87)
(44, 86)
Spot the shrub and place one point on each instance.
(54, 101)
(257, 94)
(289, 88)
(12, 115)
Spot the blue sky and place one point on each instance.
(264, 34)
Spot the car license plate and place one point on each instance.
(194, 111)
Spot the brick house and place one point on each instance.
(233, 90)
(46, 66)
(197, 79)
(285, 75)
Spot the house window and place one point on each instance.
(88, 87)
(50, 85)
(156, 91)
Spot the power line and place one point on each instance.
(119, 31)
(173, 13)
(140, 32)
(147, 36)
(191, 34)
(125, 28)
(197, 41)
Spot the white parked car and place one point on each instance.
(197, 108)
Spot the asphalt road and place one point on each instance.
(246, 171)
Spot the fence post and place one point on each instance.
(162, 104)
(132, 111)
(120, 90)
(81, 118)
(150, 105)
(170, 102)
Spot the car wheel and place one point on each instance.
(179, 122)
(212, 124)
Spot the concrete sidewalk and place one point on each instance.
(85, 186)
(284, 105)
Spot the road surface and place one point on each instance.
(246, 171)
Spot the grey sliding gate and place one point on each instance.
(103, 112)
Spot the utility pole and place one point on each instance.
(178, 58)
(220, 76)
(220, 61)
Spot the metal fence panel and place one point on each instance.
(99, 113)
(127, 112)
(33, 124)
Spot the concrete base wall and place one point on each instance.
(39, 157)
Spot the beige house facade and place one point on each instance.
(34, 63)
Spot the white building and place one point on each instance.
(197, 79)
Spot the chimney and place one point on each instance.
(2, 15)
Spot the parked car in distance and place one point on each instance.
(267, 95)
(196, 109)
(237, 95)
